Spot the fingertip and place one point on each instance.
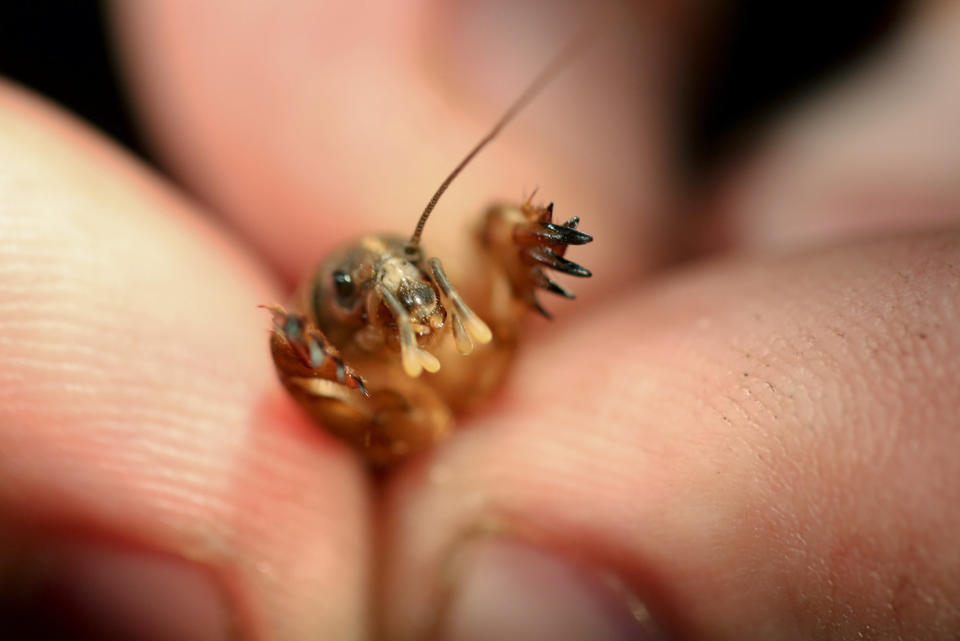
(139, 401)
(725, 442)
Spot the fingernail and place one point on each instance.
(509, 590)
(88, 592)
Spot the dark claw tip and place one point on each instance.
(543, 312)
(551, 259)
(554, 288)
(361, 386)
(567, 235)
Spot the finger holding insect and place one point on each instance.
(700, 475)
(146, 452)
(389, 97)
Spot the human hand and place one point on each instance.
(759, 445)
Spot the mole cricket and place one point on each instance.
(365, 324)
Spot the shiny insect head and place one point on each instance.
(364, 325)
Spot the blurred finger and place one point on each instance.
(307, 123)
(756, 450)
(876, 153)
(152, 472)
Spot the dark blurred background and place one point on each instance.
(62, 49)
(754, 57)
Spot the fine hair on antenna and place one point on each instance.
(535, 87)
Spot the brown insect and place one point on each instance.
(367, 322)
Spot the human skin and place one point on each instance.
(758, 443)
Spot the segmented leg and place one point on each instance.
(385, 422)
(528, 241)
(301, 351)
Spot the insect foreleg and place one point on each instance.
(301, 351)
(524, 240)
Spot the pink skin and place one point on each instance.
(759, 445)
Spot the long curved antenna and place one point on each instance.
(544, 77)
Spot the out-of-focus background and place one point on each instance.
(752, 58)
(63, 50)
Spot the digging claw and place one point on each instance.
(541, 245)
(535, 304)
(544, 282)
(562, 234)
(547, 233)
(553, 260)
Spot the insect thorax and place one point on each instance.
(349, 295)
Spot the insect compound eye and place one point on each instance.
(344, 286)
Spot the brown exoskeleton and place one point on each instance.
(377, 313)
